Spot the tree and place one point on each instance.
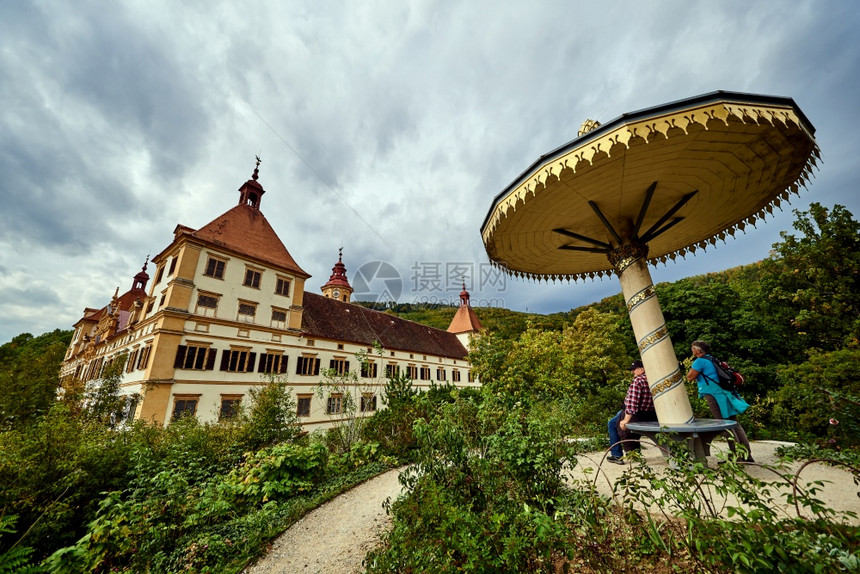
(29, 369)
(349, 401)
(272, 414)
(701, 308)
(578, 361)
(811, 284)
(103, 401)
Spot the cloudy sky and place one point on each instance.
(385, 127)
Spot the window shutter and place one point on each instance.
(262, 367)
(225, 360)
(283, 368)
(210, 359)
(180, 356)
(252, 358)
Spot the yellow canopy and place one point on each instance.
(675, 177)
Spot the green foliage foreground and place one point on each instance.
(189, 497)
(487, 491)
(487, 494)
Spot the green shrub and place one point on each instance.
(278, 472)
(810, 395)
(14, 558)
(485, 490)
(272, 415)
(751, 533)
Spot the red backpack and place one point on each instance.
(727, 378)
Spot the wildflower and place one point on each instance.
(834, 422)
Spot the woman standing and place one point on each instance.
(723, 404)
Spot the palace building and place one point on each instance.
(227, 311)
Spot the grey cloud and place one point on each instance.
(38, 296)
(120, 121)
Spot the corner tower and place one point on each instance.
(465, 323)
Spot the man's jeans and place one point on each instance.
(616, 450)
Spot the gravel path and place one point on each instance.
(334, 538)
(839, 491)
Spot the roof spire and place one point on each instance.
(142, 276)
(464, 295)
(251, 191)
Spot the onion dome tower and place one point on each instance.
(338, 286)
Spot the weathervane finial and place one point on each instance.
(257, 168)
(340, 254)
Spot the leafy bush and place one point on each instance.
(16, 558)
(804, 404)
(485, 490)
(278, 472)
(750, 533)
(272, 415)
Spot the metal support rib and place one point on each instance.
(588, 249)
(649, 193)
(649, 234)
(606, 222)
(582, 238)
(675, 221)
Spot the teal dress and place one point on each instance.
(730, 403)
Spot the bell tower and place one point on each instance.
(338, 286)
(251, 191)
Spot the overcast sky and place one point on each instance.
(384, 127)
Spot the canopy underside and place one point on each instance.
(732, 163)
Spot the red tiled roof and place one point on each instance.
(332, 319)
(246, 231)
(124, 302)
(465, 320)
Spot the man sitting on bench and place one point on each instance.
(638, 407)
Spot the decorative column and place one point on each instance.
(655, 347)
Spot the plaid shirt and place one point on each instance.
(638, 397)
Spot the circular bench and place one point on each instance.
(697, 434)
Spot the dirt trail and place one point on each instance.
(839, 491)
(334, 538)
